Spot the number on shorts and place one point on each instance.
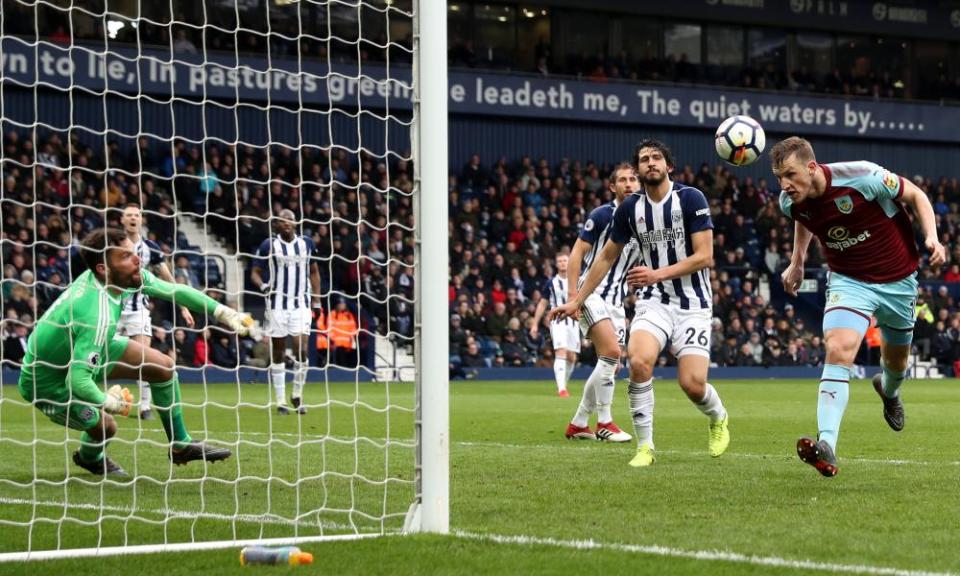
(701, 337)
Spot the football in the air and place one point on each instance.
(740, 140)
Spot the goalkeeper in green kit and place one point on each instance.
(74, 350)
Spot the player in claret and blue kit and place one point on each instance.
(856, 210)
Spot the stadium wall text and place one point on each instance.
(292, 85)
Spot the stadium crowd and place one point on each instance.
(508, 220)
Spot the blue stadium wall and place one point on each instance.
(489, 136)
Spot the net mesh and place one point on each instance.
(213, 117)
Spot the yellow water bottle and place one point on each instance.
(286, 555)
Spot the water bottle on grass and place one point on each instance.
(285, 556)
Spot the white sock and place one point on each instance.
(570, 367)
(641, 408)
(606, 384)
(299, 378)
(560, 373)
(145, 395)
(711, 405)
(278, 378)
(591, 391)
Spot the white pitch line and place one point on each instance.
(785, 455)
(707, 555)
(666, 551)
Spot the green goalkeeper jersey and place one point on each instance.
(71, 344)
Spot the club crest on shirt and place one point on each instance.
(833, 298)
(677, 217)
(844, 204)
(890, 180)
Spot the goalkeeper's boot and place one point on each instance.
(146, 414)
(611, 432)
(104, 467)
(892, 407)
(818, 454)
(298, 404)
(575, 432)
(644, 456)
(719, 437)
(198, 451)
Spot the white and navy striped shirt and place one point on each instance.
(596, 231)
(150, 255)
(289, 267)
(555, 291)
(663, 230)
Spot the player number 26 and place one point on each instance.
(701, 337)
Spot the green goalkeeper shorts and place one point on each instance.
(47, 388)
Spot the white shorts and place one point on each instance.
(135, 323)
(687, 330)
(283, 323)
(595, 309)
(566, 335)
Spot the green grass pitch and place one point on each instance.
(523, 499)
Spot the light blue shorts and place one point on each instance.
(851, 303)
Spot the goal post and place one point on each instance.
(212, 117)
(430, 112)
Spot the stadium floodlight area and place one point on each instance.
(91, 103)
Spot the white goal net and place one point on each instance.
(212, 119)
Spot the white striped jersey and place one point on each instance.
(288, 264)
(555, 291)
(150, 255)
(663, 230)
(596, 231)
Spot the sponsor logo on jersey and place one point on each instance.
(838, 233)
(661, 235)
(890, 180)
(844, 204)
(843, 238)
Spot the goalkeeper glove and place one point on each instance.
(118, 401)
(241, 323)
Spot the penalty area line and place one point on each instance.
(703, 555)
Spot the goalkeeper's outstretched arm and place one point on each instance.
(197, 301)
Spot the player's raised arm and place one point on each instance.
(917, 199)
(197, 301)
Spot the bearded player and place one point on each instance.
(75, 349)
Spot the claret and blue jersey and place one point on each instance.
(663, 231)
(857, 218)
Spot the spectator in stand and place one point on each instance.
(342, 329)
(201, 349)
